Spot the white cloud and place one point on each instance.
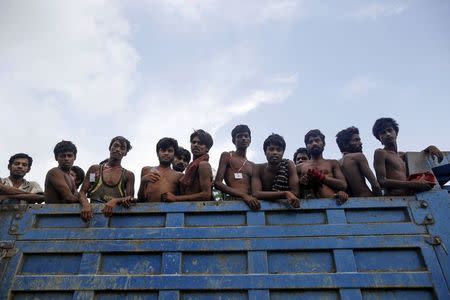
(212, 12)
(359, 86)
(378, 10)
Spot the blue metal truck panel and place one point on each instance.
(367, 248)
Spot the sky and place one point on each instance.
(89, 70)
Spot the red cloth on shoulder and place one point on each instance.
(188, 177)
(428, 176)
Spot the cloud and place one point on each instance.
(233, 12)
(359, 86)
(75, 54)
(379, 10)
(64, 67)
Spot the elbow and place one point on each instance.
(205, 196)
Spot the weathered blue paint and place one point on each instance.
(368, 248)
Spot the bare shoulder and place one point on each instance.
(204, 165)
(332, 162)
(54, 172)
(355, 156)
(93, 168)
(129, 174)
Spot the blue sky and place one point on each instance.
(87, 71)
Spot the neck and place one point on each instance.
(113, 162)
(64, 170)
(273, 166)
(391, 147)
(195, 157)
(16, 180)
(317, 157)
(164, 165)
(241, 152)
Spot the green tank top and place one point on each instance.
(102, 192)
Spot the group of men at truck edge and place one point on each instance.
(175, 179)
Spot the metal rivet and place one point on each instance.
(423, 204)
(18, 216)
(429, 217)
(13, 228)
(16, 207)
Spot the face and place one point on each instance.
(387, 135)
(315, 145)
(274, 154)
(19, 167)
(197, 147)
(180, 163)
(65, 160)
(242, 140)
(301, 157)
(165, 156)
(355, 144)
(117, 150)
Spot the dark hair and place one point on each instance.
(383, 123)
(64, 146)
(344, 137)
(183, 152)
(300, 150)
(314, 133)
(240, 129)
(166, 143)
(275, 140)
(121, 140)
(78, 172)
(205, 138)
(20, 155)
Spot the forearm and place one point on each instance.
(270, 195)
(335, 184)
(83, 199)
(8, 190)
(228, 190)
(30, 198)
(201, 196)
(397, 184)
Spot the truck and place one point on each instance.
(366, 248)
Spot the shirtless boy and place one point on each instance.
(355, 166)
(181, 159)
(109, 182)
(390, 165)
(277, 178)
(15, 186)
(323, 176)
(59, 185)
(166, 178)
(236, 169)
(301, 155)
(196, 183)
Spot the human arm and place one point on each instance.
(58, 181)
(337, 180)
(28, 197)
(86, 209)
(363, 165)
(258, 192)
(251, 201)
(379, 163)
(204, 176)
